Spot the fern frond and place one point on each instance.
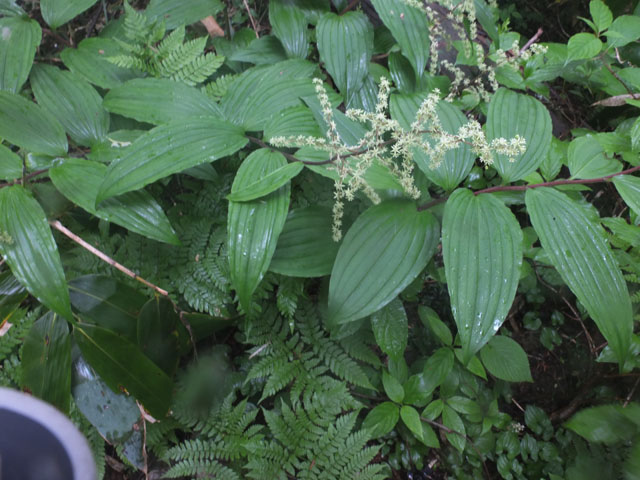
(171, 42)
(219, 87)
(201, 469)
(200, 69)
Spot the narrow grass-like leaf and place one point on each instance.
(137, 211)
(505, 359)
(121, 363)
(482, 250)
(305, 246)
(628, 187)
(289, 24)
(253, 227)
(174, 12)
(19, 39)
(10, 164)
(46, 361)
(577, 247)
(57, 12)
(159, 100)
(267, 184)
(30, 250)
(383, 252)
(169, 149)
(512, 114)
(30, 126)
(73, 101)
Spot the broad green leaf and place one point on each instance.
(29, 248)
(577, 247)
(289, 24)
(381, 419)
(345, 44)
(46, 361)
(265, 185)
(175, 13)
(415, 390)
(587, 159)
(107, 303)
(261, 51)
(158, 325)
(505, 359)
(10, 164)
(293, 121)
(457, 163)
(58, 12)
(159, 100)
(583, 45)
(402, 73)
(305, 246)
(137, 211)
(391, 328)
(254, 227)
(392, 387)
(624, 30)
(10, 8)
(73, 101)
(89, 60)
(19, 39)
(604, 424)
(628, 187)
(452, 420)
(410, 28)
(601, 15)
(121, 363)
(30, 126)
(432, 321)
(169, 149)
(437, 368)
(482, 251)
(260, 93)
(383, 252)
(512, 114)
(411, 418)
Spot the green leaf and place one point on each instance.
(120, 363)
(512, 114)
(73, 101)
(628, 187)
(169, 149)
(136, 211)
(58, 12)
(410, 27)
(263, 50)
(159, 100)
(452, 420)
(30, 126)
(583, 45)
(289, 24)
(46, 361)
(265, 185)
(391, 328)
(107, 303)
(305, 246)
(381, 419)
(601, 15)
(158, 325)
(577, 247)
(89, 60)
(624, 30)
(437, 368)
(482, 251)
(411, 418)
(19, 39)
(254, 227)
(431, 320)
(457, 163)
(505, 359)
(604, 424)
(345, 44)
(174, 12)
(384, 251)
(401, 72)
(10, 164)
(293, 121)
(631, 467)
(30, 250)
(392, 387)
(588, 160)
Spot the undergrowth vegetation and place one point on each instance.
(324, 240)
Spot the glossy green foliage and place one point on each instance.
(390, 328)
(174, 12)
(505, 359)
(265, 185)
(58, 12)
(158, 324)
(290, 26)
(19, 39)
(10, 164)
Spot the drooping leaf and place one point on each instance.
(402, 73)
(169, 149)
(254, 227)
(505, 359)
(392, 387)
(410, 28)
(512, 114)
(577, 247)
(583, 45)
(121, 363)
(587, 159)
(603, 424)
(345, 44)
(159, 100)
(265, 185)
(411, 418)
(289, 24)
(452, 420)
(437, 368)
(305, 246)
(482, 251)
(265, 50)
(10, 164)
(46, 361)
(19, 39)
(293, 121)
(30, 126)
(628, 187)
(383, 252)
(624, 30)
(601, 14)
(431, 320)
(30, 250)
(174, 13)
(391, 328)
(158, 333)
(381, 419)
(73, 101)
(58, 12)
(137, 211)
